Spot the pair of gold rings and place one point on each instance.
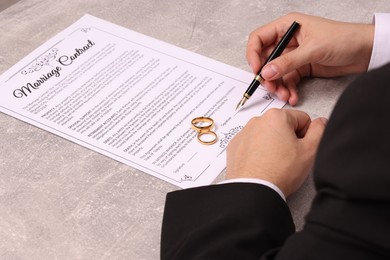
(204, 125)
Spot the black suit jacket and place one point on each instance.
(349, 217)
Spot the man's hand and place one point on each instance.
(320, 48)
(278, 147)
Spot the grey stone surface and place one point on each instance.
(4, 4)
(59, 200)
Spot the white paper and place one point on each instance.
(132, 98)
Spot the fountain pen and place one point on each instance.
(274, 54)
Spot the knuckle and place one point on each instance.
(252, 36)
(273, 112)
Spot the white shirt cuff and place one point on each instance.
(257, 181)
(380, 50)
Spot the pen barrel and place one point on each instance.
(252, 87)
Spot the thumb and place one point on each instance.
(286, 63)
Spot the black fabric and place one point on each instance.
(350, 215)
(226, 221)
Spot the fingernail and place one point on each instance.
(269, 71)
(324, 120)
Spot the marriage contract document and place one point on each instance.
(132, 98)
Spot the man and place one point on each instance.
(246, 216)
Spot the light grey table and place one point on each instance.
(59, 200)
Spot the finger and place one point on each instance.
(286, 88)
(299, 120)
(270, 86)
(253, 59)
(291, 81)
(270, 34)
(265, 37)
(286, 63)
(255, 47)
(314, 132)
(293, 98)
(282, 92)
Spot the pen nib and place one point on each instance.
(242, 102)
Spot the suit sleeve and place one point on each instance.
(349, 217)
(226, 221)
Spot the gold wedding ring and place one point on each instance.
(207, 142)
(203, 126)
